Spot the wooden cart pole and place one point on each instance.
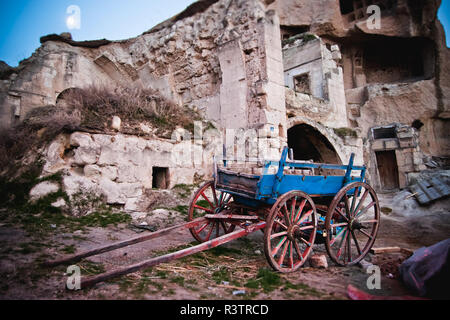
(88, 282)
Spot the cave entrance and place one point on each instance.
(160, 178)
(309, 144)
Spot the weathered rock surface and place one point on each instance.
(232, 61)
(118, 167)
(43, 189)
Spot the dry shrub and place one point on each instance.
(40, 126)
(93, 108)
(98, 105)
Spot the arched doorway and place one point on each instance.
(309, 144)
(66, 95)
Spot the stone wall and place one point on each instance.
(120, 167)
(225, 59)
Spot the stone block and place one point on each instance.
(319, 261)
(391, 144)
(43, 189)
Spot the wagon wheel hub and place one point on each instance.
(355, 225)
(294, 232)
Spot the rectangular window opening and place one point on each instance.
(384, 133)
(160, 178)
(302, 83)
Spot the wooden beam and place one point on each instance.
(89, 282)
(230, 217)
(385, 250)
(117, 245)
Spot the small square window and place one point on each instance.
(302, 83)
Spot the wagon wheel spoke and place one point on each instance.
(338, 236)
(298, 250)
(344, 244)
(207, 199)
(341, 245)
(306, 216)
(277, 235)
(361, 201)
(204, 209)
(281, 224)
(203, 227)
(291, 255)
(290, 231)
(277, 248)
(347, 207)
(342, 215)
(349, 249)
(299, 212)
(355, 197)
(217, 229)
(293, 204)
(365, 209)
(208, 236)
(216, 201)
(366, 234)
(285, 212)
(201, 205)
(356, 242)
(337, 225)
(283, 254)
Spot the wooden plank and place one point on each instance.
(407, 251)
(88, 282)
(230, 217)
(385, 250)
(117, 245)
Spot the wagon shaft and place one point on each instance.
(172, 256)
(121, 244)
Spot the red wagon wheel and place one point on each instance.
(352, 223)
(290, 231)
(207, 200)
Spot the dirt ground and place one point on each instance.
(235, 271)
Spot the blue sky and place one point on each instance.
(23, 22)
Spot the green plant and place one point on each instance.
(345, 132)
(265, 279)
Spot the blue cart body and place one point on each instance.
(255, 190)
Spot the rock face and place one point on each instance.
(120, 168)
(43, 189)
(284, 69)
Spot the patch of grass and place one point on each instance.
(161, 274)
(178, 280)
(92, 268)
(203, 203)
(386, 210)
(266, 279)
(345, 132)
(183, 190)
(69, 249)
(29, 248)
(181, 209)
(222, 250)
(303, 289)
(223, 274)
